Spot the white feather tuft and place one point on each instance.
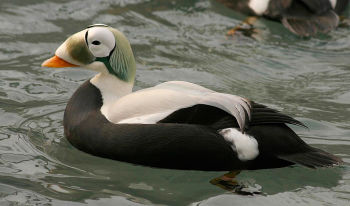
(259, 6)
(333, 3)
(245, 145)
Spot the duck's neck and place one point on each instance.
(111, 88)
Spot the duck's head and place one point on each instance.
(100, 48)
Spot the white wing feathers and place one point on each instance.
(144, 105)
(234, 105)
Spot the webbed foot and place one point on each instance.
(228, 182)
(246, 28)
(344, 21)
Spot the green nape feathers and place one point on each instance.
(121, 61)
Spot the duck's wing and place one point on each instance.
(219, 119)
(201, 114)
(154, 104)
(209, 112)
(184, 102)
(261, 114)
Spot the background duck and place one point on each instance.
(176, 124)
(302, 17)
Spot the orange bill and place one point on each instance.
(57, 62)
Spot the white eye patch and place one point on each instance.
(101, 41)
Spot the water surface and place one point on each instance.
(172, 40)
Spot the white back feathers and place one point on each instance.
(169, 97)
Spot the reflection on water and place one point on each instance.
(172, 40)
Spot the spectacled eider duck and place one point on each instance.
(176, 124)
(302, 17)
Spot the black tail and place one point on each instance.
(310, 26)
(279, 142)
(313, 158)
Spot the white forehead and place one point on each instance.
(101, 34)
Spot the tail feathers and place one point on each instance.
(310, 26)
(313, 159)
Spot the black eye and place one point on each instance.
(96, 42)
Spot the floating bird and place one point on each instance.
(302, 17)
(174, 125)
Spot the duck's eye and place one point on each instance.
(96, 42)
(100, 41)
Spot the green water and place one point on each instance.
(172, 40)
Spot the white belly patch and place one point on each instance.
(245, 145)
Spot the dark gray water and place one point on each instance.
(172, 40)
